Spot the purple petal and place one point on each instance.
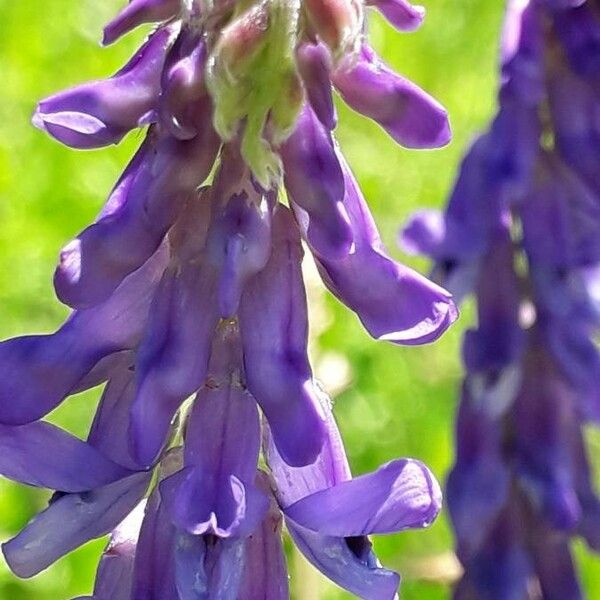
(191, 577)
(495, 348)
(154, 567)
(348, 562)
(265, 570)
(215, 493)
(38, 372)
(274, 328)
(173, 357)
(43, 455)
(114, 576)
(561, 219)
(478, 484)
(143, 206)
(200, 505)
(400, 495)
(393, 302)
(223, 427)
(579, 33)
(424, 233)
(574, 110)
(554, 565)
(315, 184)
(212, 570)
(522, 53)
(545, 424)
(239, 245)
(410, 115)
(330, 467)
(183, 86)
(100, 113)
(335, 558)
(104, 369)
(109, 430)
(314, 65)
(576, 356)
(400, 13)
(70, 521)
(138, 12)
(502, 569)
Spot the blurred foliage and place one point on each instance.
(389, 401)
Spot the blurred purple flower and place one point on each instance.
(521, 233)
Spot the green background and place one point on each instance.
(390, 401)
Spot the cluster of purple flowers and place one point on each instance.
(189, 304)
(522, 233)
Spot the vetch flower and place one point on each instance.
(212, 522)
(521, 233)
(189, 307)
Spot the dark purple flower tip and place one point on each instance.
(70, 521)
(393, 302)
(146, 202)
(554, 564)
(314, 65)
(200, 505)
(183, 87)
(41, 371)
(101, 113)
(173, 357)
(315, 184)
(136, 13)
(238, 244)
(400, 13)
(274, 329)
(409, 115)
(400, 495)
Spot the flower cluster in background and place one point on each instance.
(189, 285)
(522, 233)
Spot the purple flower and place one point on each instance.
(412, 117)
(330, 515)
(101, 113)
(189, 305)
(212, 522)
(520, 232)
